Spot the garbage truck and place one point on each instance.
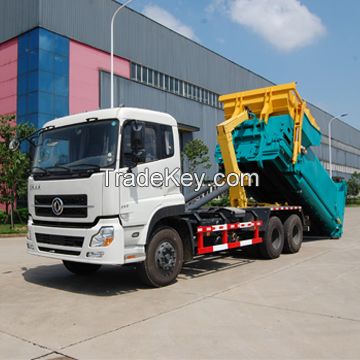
(82, 212)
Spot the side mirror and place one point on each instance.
(14, 144)
(137, 134)
(138, 141)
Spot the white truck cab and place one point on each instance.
(79, 210)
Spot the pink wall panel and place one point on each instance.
(85, 64)
(8, 76)
(8, 80)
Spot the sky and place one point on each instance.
(313, 42)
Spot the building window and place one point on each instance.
(138, 73)
(161, 81)
(156, 79)
(172, 84)
(197, 93)
(150, 77)
(206, 96)
(168, 83)
(133, 71)
(144, 75)
(182, 88)
(200, 95)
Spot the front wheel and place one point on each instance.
(164, 258)
(81, 268)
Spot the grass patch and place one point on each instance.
(353, 201)
(5, 229)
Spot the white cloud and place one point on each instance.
(165, 18)
(216, 6)
(286, 24)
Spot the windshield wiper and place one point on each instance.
(89, 166)
(57, 168)
(42, 171)
(61, 167)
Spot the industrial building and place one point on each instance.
(54, 61)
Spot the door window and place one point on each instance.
(159, 143)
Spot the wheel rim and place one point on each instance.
(296, 235)
(276, 238)
(165, 256)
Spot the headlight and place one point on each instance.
(103, 238)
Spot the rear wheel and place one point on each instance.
(81, 268)
(273, 241)
(164, 258)
(293, 231)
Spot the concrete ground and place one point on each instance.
(222, 307)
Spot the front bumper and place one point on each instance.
(114, 254)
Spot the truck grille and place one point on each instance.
(74, 206)
(61, 240)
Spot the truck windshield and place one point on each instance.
(70, 149)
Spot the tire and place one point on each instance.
(164, 258)
(293, 231)
(273, 241)
(81, 268)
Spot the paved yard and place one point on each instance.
(224, 307)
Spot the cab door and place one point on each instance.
(139, 200)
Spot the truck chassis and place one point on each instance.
(272, 230)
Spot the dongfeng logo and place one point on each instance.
(57, 206)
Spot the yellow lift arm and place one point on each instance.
(237, 193)
(264, 102)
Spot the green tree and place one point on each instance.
(14, 164)
(354, 184)
(196, 153)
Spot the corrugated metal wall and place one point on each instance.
(148, 43)
(17, 16)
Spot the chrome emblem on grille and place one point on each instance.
(57, 206)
